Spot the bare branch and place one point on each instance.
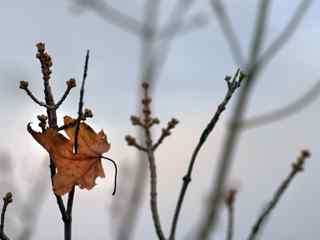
(228, 30)
(71, 83)
(24, 86)
(233, 85)
(208, 221)
(282, 113)
(297, 167)
(286, 34)
(114, 16)
(76, 148)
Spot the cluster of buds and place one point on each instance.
(298, 165)
(235, 81)
(45, 60)
(171, 125)
(147, 122)
(86, 114)
(42, 121)
(130, 140)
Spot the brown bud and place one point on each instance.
(71, 83)
(305, 153)
(146, 101)
(40, 46)
(230, 197)
(173, 122)
(24, 85)
(130, 140)
(145, 85)
(88, 113)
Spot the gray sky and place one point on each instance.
(190, 87)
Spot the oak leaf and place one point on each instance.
(80, 169)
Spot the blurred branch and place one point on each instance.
(255, 64)
(233, 85)
(297, 167)
(7, 199)
(114, 16)
(228, 30)
(208, 220)
(147, 62)
(30, 210)
(286, 34)
(282, 113)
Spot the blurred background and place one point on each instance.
(194, 49)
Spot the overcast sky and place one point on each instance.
(189, 88)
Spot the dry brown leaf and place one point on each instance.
(81, 169)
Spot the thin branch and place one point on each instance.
(233, 134)
(260, 30)
(209, 219)
(228, 30)
(131, 141)
(233, 85)
(146, 74)
(286, 34)
(152, 164)
(165, 132)
(153, 193)
(24, 86)
(80, 108)
(7, 199)
(46, 64)
(76, 148)
(297, 167)
(114, 16)
(71, 83)
(177, 24)
(282, 113)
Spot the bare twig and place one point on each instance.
(46, 63)
(297, 167)
(114, 16)
(147, 75)
(131, 141)
(183, 27)
(68, 229)
(282, 113)
(286, 34)
(208, 220)
(7, 199)
(233, 85)
(229, 201)
(228, 30)
(24, 86)
(165, 132)
(147, 122)
(71, 83)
